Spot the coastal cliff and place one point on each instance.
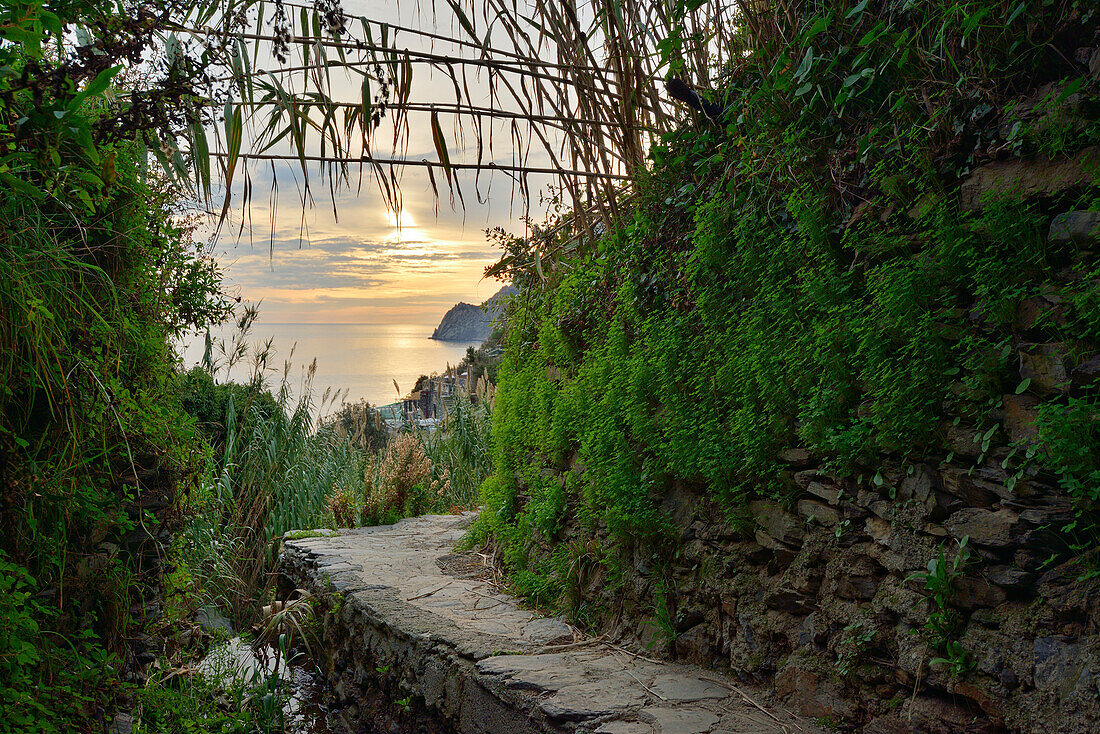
(466, 322)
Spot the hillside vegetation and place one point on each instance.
(845, 269)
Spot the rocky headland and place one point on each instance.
(467, 322)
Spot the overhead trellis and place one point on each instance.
(540, 88)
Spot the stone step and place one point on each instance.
(413, 616)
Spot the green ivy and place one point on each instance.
(803, 275)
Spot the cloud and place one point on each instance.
(404, 276)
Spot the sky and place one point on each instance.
(362, 263)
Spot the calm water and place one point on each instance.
(363, 358)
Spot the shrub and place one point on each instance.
(397, 481)
(344, 508)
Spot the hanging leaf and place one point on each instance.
(234, 134)
(96, 87)
(366, 105)
(806, 65)
(859, 8)
(463, 19)
(200, 158)
(441, 146)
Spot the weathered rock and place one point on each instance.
(1020, 413)
(1059, 663)
(767, 541)
(972, 490)
(404, 621)
(624, 727)
(825, 492)
(590, 700)
(777, 522)
(1054, 512)
(122, 724)
(917, 485)
(818, 512)
(682, 688)
(803, 478)
(1088, 371)
(962, 439)
(209, 619)
(788, 600)
(466, 322)
(1045, 366)
(677, 721)
(888, 724)
(813, 694)
(696, 645)
(1008, 577)
(973, 592)
(1036, 312)
(878, 529)
(929, 715)
(1077, 227)
(1022, 179)
(984, 527)
(883, 508)
(798, 458)
(857, 588)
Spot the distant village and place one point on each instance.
(432, 398)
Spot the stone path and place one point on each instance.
(485, 664)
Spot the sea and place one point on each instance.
(361, 361)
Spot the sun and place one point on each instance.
(403, 230)
(400, 219)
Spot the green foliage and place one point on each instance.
(1070, 433)
(853, 647)
(208, 402)
(802, 274)
(223, 701)
(663, 624)
(272, 470)
(97, 275)
(459, 452)
(31, 701)
(944, 621)
(362, 423)
(428, 470)
(397, 481)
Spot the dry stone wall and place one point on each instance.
(821, 601)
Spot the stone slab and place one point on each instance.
(481, 662)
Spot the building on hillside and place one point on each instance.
(432, 400)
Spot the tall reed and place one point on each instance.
(274, 472)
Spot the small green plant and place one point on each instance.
(303, 534)
(842, 528)
(397, 481)
(857, 636)
(956, 659)
(227, 697)
(663, 623)
(271, 470)
(343, 504)
(944, 620)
